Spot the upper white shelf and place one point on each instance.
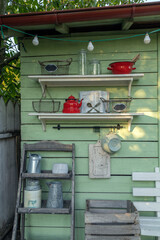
(86, 80)
(105, 117)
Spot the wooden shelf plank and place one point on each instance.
(86, 80)
(45, 117)
(47, 175)
(65, 210)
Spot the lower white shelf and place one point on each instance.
(105, 117)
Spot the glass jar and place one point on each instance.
(83, 62)
(94, 67)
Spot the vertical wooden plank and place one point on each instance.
(10, 117)
(17, 117)
(2, 185)
(3, 124)
(157, 183)
(158, 64)
(16, 217)
(73, 194)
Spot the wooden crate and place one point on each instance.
(111, 220)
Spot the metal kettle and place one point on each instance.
(72, 105)
(34, 165)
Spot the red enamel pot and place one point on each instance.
(121, 67)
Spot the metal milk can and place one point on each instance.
(34, 165)
(55, 196)
(32, 194)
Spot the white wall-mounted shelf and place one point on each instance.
(86, 80)
(104, 117)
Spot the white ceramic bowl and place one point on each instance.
(60, 168)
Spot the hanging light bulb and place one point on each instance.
(147, 39)
(35, 41)
(90, 46)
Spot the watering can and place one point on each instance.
(34, 165)
(55, 196)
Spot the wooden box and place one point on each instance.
(111, 220)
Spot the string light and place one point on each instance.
(82, 41)
(35, 41)
(90, 46)
(147, 39)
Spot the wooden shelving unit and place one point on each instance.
(68, 205)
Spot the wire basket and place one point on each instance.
(117, 105)
(56, 67)
(46, 106)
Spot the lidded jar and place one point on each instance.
(94, 67)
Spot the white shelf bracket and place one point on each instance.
(129, 87)
(43, 121)
(130, 123)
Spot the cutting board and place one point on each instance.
(99, 161)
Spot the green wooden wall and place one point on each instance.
(140, 147)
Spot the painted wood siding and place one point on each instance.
(140, 147)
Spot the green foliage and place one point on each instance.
(21, 6)
(10, 74)
(10, 82)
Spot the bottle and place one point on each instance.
(94, 67)
(83, 62)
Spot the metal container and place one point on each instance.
(55, 195)
(56, 67)
(32, 194)
(117, 105)
(111, 143)
(34, 165)
(121, 67)
(92, 102)
(94, 67)
(60, 168)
